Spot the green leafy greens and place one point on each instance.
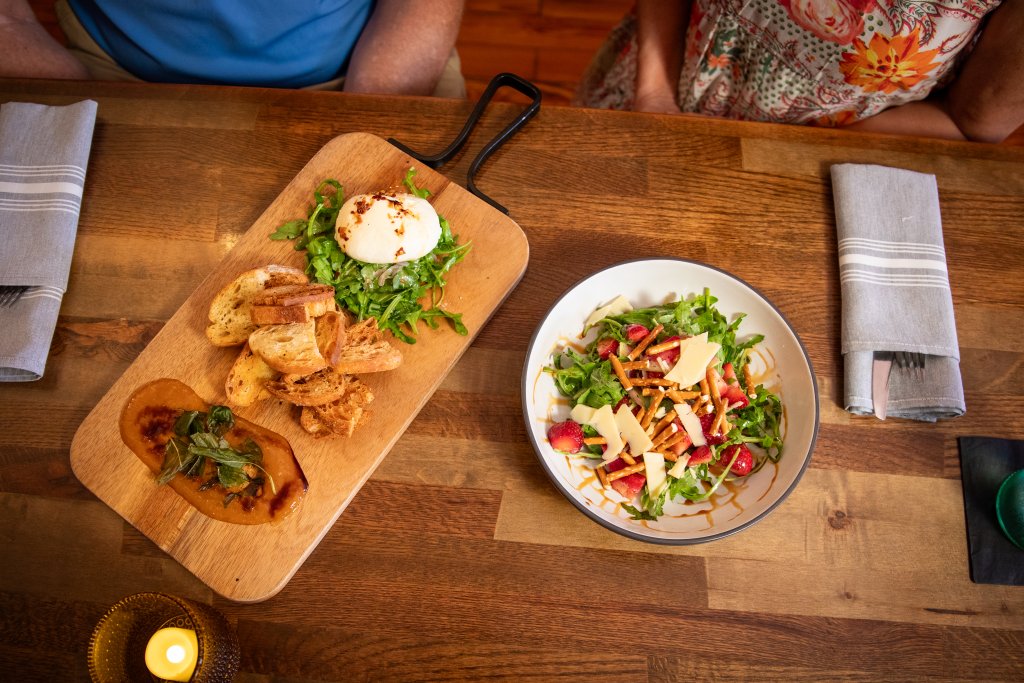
(394, 294)
(587, 379)
(198, 449)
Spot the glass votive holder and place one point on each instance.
(117, 649)
(1010, 507)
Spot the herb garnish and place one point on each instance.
(391, 293)
(198, 444)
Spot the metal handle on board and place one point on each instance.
(501, 80)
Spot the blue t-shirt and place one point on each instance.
(276, 43)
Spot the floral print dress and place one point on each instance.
(825, 62)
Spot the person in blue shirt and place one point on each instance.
(373, 46)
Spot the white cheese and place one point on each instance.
(654, 464)
(603, 420)
(583, 414)
(631, 429)
(616, 306)
(680, 467)
(695, 354)
(387, 228)
(691, 423)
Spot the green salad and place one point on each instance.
(680, 375)
(398, 295)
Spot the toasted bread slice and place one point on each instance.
(289, 348)
(366, 350)
(292, 304)
(330, 335)
(290, 295)
(246, 383)
(230, 319)
(320, 388)
(340, 417)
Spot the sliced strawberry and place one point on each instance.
(629, 485)
(681, 445)
(706, 421)
(607, 347)
(744, 460)
(625, 400)
(700, 455)
(670, 356)
(566, 437)
(728, 373)
(735, 396)
(635, 332)
(615, 465)
(729, 389)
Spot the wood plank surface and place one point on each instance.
(250, 563)
(458, 560)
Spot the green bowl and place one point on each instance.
(1010, 507)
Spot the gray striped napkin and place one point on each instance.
(43, 154)
(895, 289)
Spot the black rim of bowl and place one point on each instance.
(586, 510)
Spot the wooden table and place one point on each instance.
(459, 559)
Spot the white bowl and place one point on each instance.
(782, 356)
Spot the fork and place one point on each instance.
(9, 295)
(910, 360)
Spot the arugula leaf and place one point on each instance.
(409, 185)
(400, 296)
(198, 440)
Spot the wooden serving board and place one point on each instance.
(252, 563)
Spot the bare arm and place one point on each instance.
(28, 50)
(986, 101)
(660, 35)
(404, 47)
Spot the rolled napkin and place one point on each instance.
(43, 156)
(895, 290)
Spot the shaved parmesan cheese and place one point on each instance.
(654, 465)
(583, 414)
(691, 423)
(680, 467)
(632, 430)
(695, 354)
(617, 306)
(603, 420)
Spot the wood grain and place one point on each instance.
(252, 563)
(458, 560)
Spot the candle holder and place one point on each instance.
(117, 649)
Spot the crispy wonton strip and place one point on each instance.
(635, 365)
(595, 441)
(602, 476)
(661, 437)
(652, 410)
(625, 472)
(716, 427)
(645, 342)
(748, 379)
(620, 373)
(679, 436)
(682, 396)
(653, 382)
(663, 346)
(669, 418)
(711, 379)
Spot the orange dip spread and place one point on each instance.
(147, 424)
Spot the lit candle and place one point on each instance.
(172, 654)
